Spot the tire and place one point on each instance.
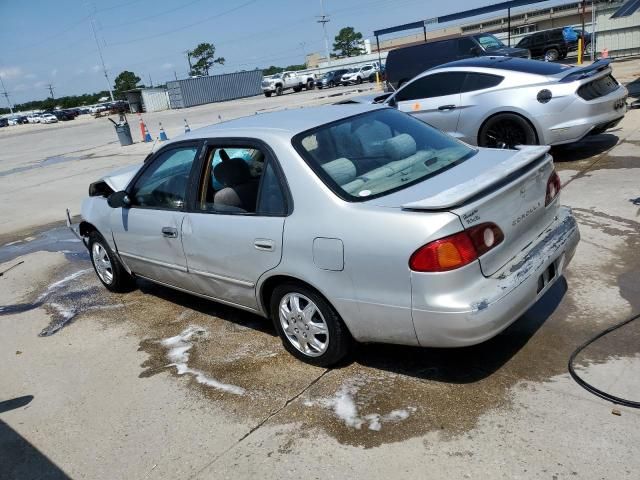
(309, 85)
(332, 84)
(297, 89)
(267, 94)
(279, 90)
(329, 348)
(506, 130)
(359, 80)
(551, 55)
(108, 268)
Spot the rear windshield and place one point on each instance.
(536, 67)
(378, 152)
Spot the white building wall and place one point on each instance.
(155, 99)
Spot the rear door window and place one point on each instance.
(430, 86)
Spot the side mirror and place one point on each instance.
(475, 51)
(119, 199)
(391, 101)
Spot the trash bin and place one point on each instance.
(124, 134)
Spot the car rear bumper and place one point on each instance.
(585, 118)
(456, 316)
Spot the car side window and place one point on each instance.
(525, 42)
(164, 183)
(436, 85)
(480, 81)
(240, 180)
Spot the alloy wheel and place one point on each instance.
(505, 134)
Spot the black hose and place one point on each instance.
(590, 388)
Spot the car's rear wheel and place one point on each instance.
(506, 130)
(310, 85)
(551, 55)
(267, 94)
(107, 266)
(309, 327)
(297, 89)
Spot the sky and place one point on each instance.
(51, 42)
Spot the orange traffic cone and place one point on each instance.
(141, 127)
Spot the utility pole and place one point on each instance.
(150, 81)
(324, 19)
(51, 92)
(188, 54)
(304, 52)
(6, 95)
(104, 69)
(175, 75)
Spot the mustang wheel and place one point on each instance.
(108, 268)
(506, 130)
(309, 327)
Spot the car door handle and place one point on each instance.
(264, 244)
(446, 107)
(170, 232)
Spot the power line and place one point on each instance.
(161, 34)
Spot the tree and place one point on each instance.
(204, 54)
(126, 81)
(348, 43)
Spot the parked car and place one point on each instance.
(358, 75)
(62, 115)
(405, 63)
(554, 44)
(503, 102)
(22, 119)
(4, 122)
(331, 79)
(472, 237)
(48, 118)
(12, 121)
(33, 118)
(280, 82)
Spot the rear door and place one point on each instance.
(228, 248)
(434, 99)
(473, 100)
(148, 233)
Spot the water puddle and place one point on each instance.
(58, 239)
(53, 160)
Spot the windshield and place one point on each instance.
(489, 42)
(378, 152)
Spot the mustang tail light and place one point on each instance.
(456, 250)
(553, 188)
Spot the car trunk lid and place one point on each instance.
(510, 193)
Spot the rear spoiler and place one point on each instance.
(584, 72)
(462, 192)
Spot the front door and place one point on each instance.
(148, 234)
(434, 99)
(234, 233)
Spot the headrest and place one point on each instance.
(232, 172)
(400, 147)
(341, 170)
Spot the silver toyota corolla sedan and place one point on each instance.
(505, 101)
(340, 223)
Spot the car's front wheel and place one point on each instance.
(309, 327)
(506, 130)
(278, 90)
(267, 94)
(107, 266)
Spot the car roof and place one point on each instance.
(291, 121)
(515, 64)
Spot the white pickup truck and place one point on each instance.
(280, 82)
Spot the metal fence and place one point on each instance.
(214, 88)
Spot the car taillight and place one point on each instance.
(553, 188)
(456, 250)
